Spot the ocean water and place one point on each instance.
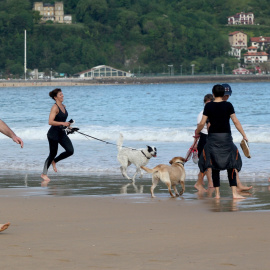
(160, 115)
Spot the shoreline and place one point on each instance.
(138, 80)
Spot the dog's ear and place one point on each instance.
(171, 162)
(149, 148)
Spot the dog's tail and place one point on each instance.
(120, 142)
(147, 169)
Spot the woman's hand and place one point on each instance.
(245, 138)
(66, 124)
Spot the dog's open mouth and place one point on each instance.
(154, 155)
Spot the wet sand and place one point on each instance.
(128, 230)
(118, 232)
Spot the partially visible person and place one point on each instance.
(56, 134)
(4, 128)
(202, 141)
(227, 94)
(220, 153)
(4, 226)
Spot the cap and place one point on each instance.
(228, 89)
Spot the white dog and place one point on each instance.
(138, 157)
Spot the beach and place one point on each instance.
(129, 232)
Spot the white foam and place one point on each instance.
(255, 134)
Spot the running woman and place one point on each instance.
(56, 134)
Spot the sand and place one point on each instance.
(129, 232)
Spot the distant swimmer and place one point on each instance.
(4, 226)
(9, 133)
(56, 134)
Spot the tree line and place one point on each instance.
(139, 36)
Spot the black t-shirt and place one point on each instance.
(218, 114)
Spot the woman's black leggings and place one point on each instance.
(231, 177)
(66, 143)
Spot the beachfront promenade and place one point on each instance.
(137, 80)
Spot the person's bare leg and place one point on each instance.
(269, 179)
(235, 193)
(199, 184)
(240, 186)
(4, 226)
(209, 178)
(54, 166)
(217, 193)
(45, 177)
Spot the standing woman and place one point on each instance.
(56, 134)
(220, 153)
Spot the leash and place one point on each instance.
(72, 130)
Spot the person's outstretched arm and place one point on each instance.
(4, 128)
(238, 126)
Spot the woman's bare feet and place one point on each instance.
(217, 193)
(45, 178)
(244, 188)
(236, 195)
(54, 166)
(199, 187)
(4, 226)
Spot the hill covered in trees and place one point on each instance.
(137, 35)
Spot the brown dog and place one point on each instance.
(170, 175)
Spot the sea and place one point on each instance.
(160, 115)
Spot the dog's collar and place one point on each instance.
(180, 162)
(145, 154)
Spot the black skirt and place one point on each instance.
(220, 153)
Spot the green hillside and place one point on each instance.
(135, 35)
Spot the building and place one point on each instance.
(241, 18)
(52, 12)
(241, 71)
(252, 56)
(238, 42)
(260, 42)
(102, 71)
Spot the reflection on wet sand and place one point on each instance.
(29, 184)
(136, 189)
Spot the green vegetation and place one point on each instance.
(137, 35)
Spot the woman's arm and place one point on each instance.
(53, 113)
(238, 126)
(201, 125)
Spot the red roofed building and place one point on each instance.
(260, 42)
(252, 56)
(241, 18)
(238, 41)
(241, 71)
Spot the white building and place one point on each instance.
(52, 12)
(252, 56)
(241, 18)
(260, 42)
(103, 71)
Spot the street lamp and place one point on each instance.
(222, 66)
(192, 69)
(171, 73)
(181, 70)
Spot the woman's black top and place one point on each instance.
(57, 131)
(218, 114)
